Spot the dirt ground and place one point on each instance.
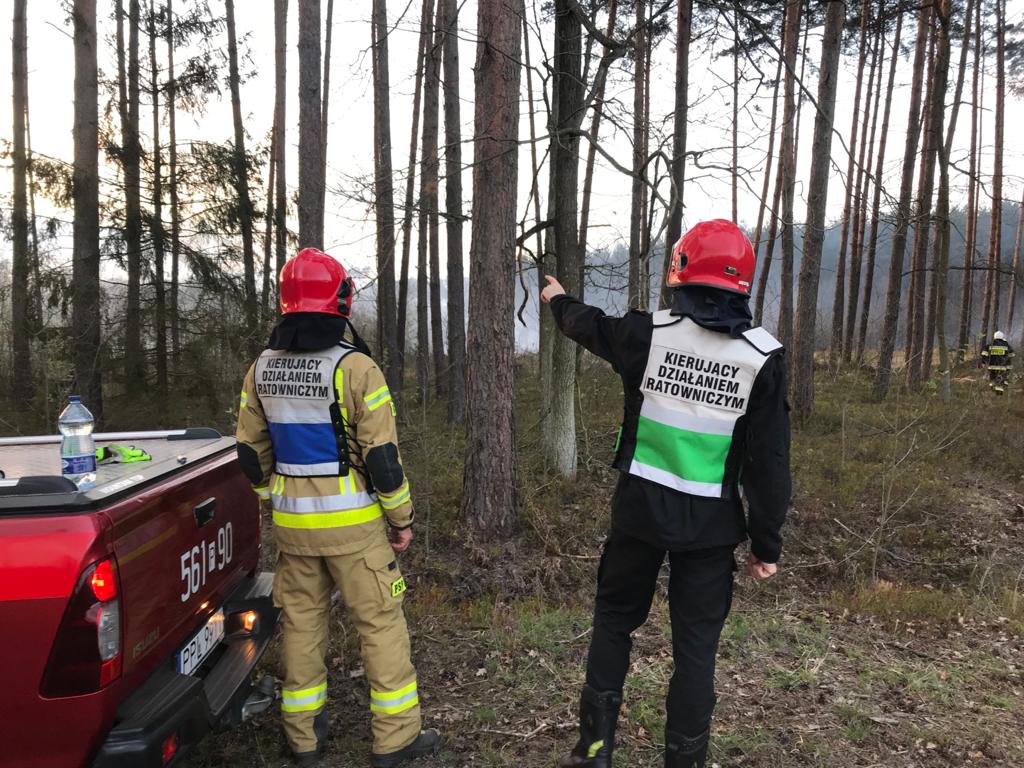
(893, 636)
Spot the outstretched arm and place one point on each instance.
(588, 326)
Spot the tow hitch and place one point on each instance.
(262, 696)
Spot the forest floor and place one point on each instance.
(893, 635)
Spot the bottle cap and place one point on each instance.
(74, 398)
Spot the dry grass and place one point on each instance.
(891, 638)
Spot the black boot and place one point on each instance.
(429, 742)
(321, 728)
(685, 751)
(599, 714)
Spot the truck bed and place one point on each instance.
(39, 458)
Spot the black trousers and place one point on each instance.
(700, 594)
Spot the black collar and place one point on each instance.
(310, 331)
(713, 308)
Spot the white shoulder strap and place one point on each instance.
(664, 318)
(762, 341)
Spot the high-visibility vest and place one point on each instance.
(696, 386)
(301, 397)
(998, 354)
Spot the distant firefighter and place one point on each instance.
(999, 357)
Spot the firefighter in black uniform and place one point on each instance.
(999, 357)
(705, 411)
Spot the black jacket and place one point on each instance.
(667, 518)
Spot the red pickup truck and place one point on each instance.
(133, 613)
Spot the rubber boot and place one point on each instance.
(429, 742)
(599, 714)
(686, 751)
(321, 728)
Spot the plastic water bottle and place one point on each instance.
(77, 451)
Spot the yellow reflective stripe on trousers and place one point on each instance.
(244, 399)
(306, 700)
(263, 492)
(393, 702)
(314, 520)
(398, 498)
(376, 399)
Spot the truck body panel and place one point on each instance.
(184, 533)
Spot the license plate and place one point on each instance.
(196, 650)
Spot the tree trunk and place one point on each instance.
(971, 238)
(942, 227)
(242, 187)
(172, 188)
(876, 203)
(268, 233)
(933, 125)
(766, 205)
(990, 317)
(429, 193)
(922, 226)
(133, 354)
(85, 194)
(769, 250)
(588, 174)
(311, 176)
(37, 319)
(324, 111)
(1015, 274)
(21, 267)
(559, 438)
(736, 114)
(489, 485)
(817, 199)
(410, 191)
(543, 257)
(387, 329)
(883, 375)
(935, 323)
(639, 155)
(941, 247)
(157, 222)
(864, 161)
(280, 131)
(680, 117)
(852, 184)
(788, 169)
(454, 216)
(647, 196)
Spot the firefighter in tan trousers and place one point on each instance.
(316, 435)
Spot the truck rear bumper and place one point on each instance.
(171, 707)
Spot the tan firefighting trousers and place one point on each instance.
(372, 588)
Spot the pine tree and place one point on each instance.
(489, 486)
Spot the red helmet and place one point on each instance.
(714, 253)
(316, 282)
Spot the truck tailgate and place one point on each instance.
(182, 545)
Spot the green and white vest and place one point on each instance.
(696, 386)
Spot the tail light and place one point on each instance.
(86, 653)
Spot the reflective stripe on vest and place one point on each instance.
(696, 385)
(348, 507)
(297, 391)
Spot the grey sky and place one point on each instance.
(349, 224)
